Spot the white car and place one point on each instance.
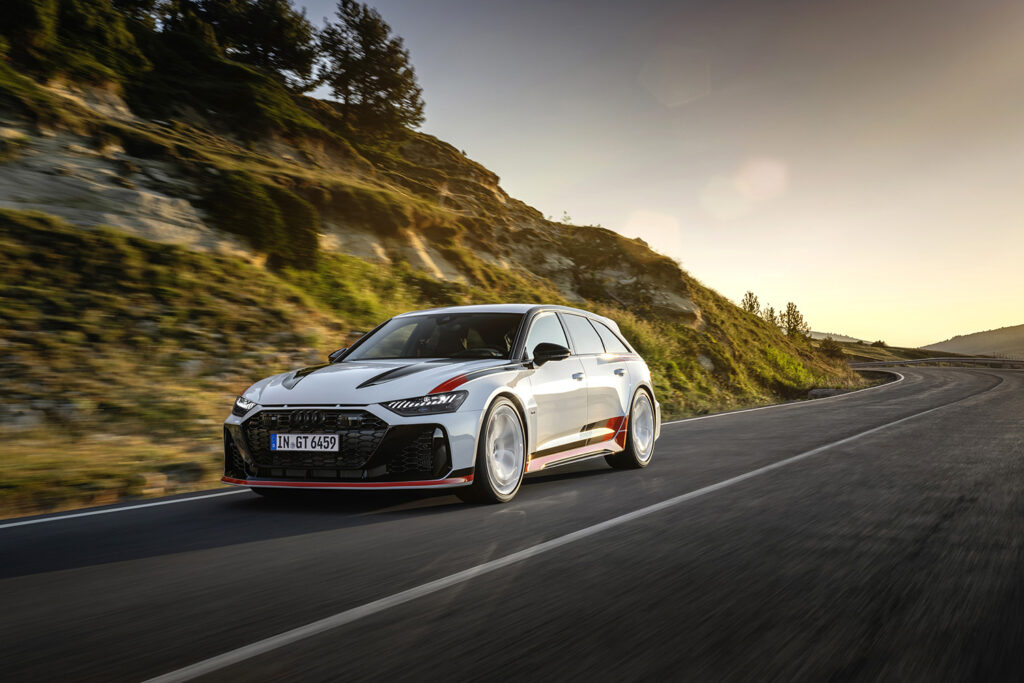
(469, 398)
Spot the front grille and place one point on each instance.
(415, 455)
(359, 432)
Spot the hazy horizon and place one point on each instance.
(862, 161)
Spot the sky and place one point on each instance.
(863, 159)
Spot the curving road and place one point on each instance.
(875, 535)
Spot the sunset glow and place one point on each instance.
(861, 159)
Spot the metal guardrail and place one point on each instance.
(945, 362)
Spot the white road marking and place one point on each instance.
(280, 640)
(107, 511)
(811, 402)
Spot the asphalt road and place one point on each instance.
(876, 535)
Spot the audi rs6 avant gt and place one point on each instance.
(469, 398)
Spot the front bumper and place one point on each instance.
(377, 448)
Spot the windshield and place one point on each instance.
(448, 335)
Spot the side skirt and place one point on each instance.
(545, 464)
(611, 442)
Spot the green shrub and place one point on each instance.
(378, 210)
(240, 204)
(831, 348)
(301, 225)
(272, 219)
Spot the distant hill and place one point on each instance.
(836, 337)
(860, 352)
(1006, 341)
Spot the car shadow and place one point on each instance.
(216, 522)
(221, 521)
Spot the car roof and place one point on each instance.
(510, 308)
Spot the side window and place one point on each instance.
(612, 344)
(583, 335)
(545, 328)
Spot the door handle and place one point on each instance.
(578, 376)
(620, 372)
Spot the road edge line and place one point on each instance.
(122, 508)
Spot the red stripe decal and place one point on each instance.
(620, 437)
(615, 423)
(449, 384)
(348, 485)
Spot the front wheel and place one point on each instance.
(639, 435)
(500, 456)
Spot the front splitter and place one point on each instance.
(451, 482)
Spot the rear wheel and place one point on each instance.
(500, 456)
(639, 435)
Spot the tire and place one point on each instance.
(500, 456)
(639, 435)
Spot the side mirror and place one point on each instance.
(545, 351)
(335, 355)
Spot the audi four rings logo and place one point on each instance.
(306, 418)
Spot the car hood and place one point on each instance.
(361, 382)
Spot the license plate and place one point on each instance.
(304, 442)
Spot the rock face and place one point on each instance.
(69, 176)
(583, 262)
(456, 203)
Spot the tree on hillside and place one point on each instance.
(268, 34)
(831, 348)
(771, 316)
(750, 304)
(793, 321)
(142, 11)
(368, 70)
(86, 39)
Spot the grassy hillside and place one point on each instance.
(273, 231)
(122, 355)
(1005, 341)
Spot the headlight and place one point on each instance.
(242, 406)
(428, 405)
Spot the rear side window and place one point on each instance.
(545, 329)
(584, 337)
(612, 344)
